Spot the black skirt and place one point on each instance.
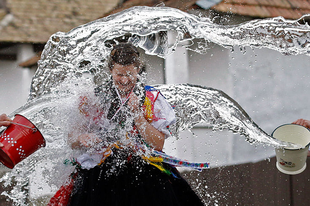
(126, 180)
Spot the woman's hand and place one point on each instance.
(86, 140)
(133, 103)
(150, 134)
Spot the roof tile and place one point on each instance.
(36, 21)
(290, 9)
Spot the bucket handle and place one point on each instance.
(33, 129)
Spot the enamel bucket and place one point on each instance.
(20, 139)
(291, 160)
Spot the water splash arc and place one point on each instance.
(196, 104)
(70, 62)
(65, 53)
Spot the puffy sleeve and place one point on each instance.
(164, 114)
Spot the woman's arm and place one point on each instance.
(83, 140)
(79, 138)
(150, 134)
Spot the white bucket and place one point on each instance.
(292, 161)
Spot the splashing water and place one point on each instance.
(197, 104)
(73, 63)
(83, 49)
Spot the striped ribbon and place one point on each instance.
(179, 162)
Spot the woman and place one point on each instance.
(132, 120)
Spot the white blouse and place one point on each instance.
(165, 117)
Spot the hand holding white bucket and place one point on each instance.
(291, 160)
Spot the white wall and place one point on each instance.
(155, 70)
(271, 87)
(202, 144)
(211, 70)
(14, 80)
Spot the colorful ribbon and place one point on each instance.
(179, 162)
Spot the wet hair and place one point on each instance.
(124, 54)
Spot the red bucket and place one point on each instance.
(20, 140)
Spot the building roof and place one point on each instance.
(35, 21)
(289, 9)
(183, 5)
(31, 21)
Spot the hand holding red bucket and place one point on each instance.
(19, 140)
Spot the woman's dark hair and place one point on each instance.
(124, 54)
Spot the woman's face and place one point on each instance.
(124, 77)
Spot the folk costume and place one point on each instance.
(127, 175)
